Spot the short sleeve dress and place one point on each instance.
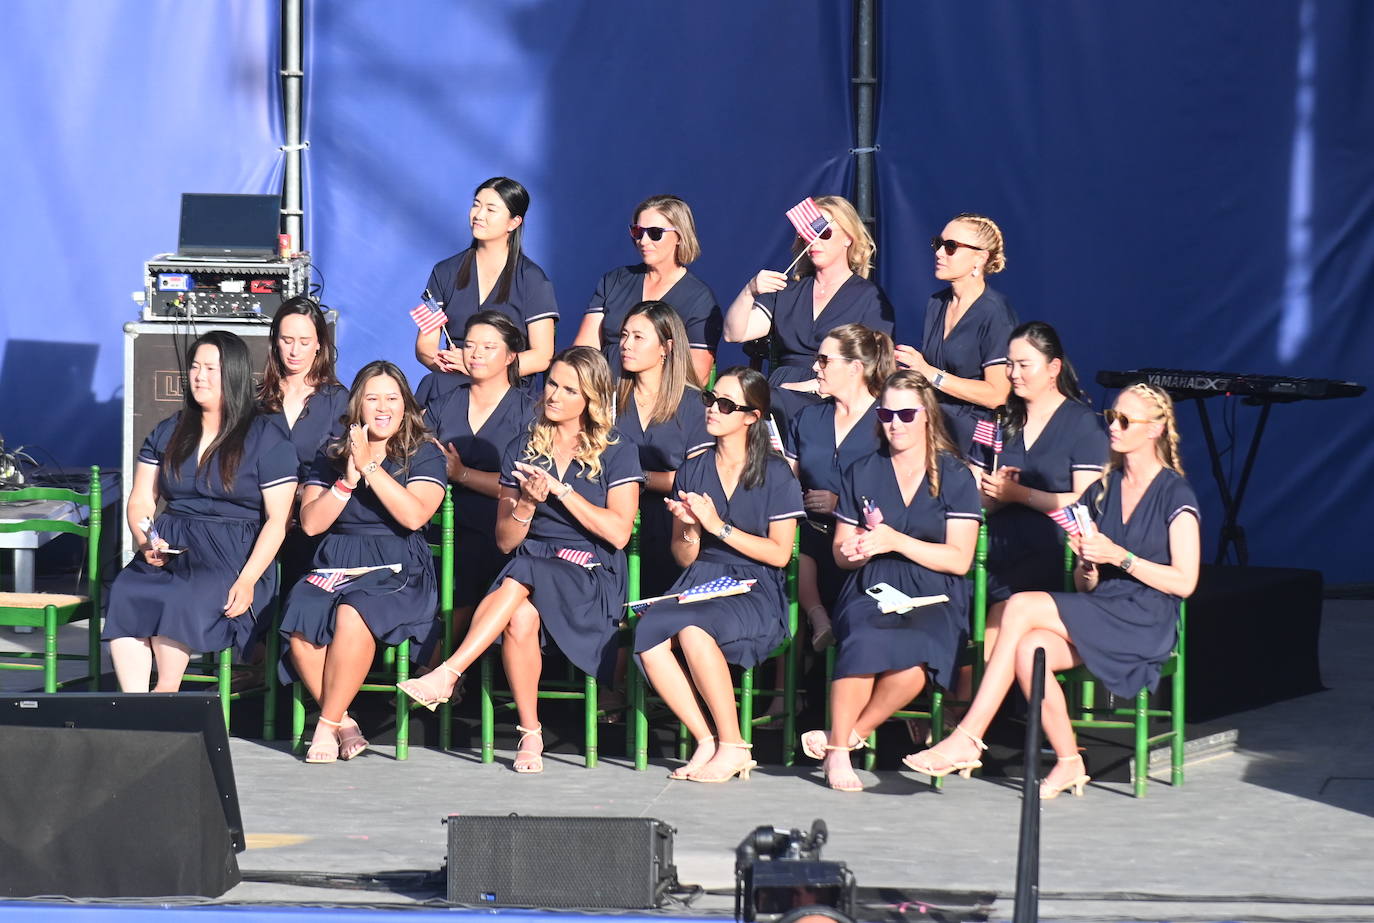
(580, 606)
(1025, 547)
(870, 642)
(476, 559)
(1125, 630)
(749, 626)
(977, 341)
(821, 464)
(619, 290)
(184, 599)
(798, 333)
(394, 605)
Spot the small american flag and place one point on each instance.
(328, 581)
(989, 434)
(872, 515)
(574, 556)
(807, 219)
(721, 586)
(1065, 520)
(774, 437)
(428, 316)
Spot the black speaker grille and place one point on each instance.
(559, 862)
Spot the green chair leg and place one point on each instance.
(746, 705)
(297, 717)
(49, 648)
(1142, 742)
(488, 712)
(589, 713)
(402, 667)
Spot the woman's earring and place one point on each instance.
(975, 271)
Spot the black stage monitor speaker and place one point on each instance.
(109, 795)
(559, 862)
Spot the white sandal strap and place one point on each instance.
(976, 740)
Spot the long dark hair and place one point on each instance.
(236, 411)
(412, 432)
(321, 370)
(517, 199)
(677, 365)
(758, 449)
(1045, 340)
(510, 335)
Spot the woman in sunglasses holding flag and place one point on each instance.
(906, 526)
(665, 234)
(829, 287)
(967, 325)
(735, 507)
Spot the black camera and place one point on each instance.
(777, 871)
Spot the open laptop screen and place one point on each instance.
(225, 225)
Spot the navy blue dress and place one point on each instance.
(579, 607)
(531, 299)
(1026, 547)
(184, 599)
(1125, 630)
(395, 606)
(871, 642)
(663, 447)
(747, 627)
(977, 341)
(798, 334)
(821, 464)
(476, 559)
(621, 289)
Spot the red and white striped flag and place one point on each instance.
(574, 556)
(329, 581)
(774, 437)
(428, 316)
(1065, 520)
(806, 217)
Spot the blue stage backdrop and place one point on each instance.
(1179, 185)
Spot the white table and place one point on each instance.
(23, 546)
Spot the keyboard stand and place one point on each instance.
(1231, 531)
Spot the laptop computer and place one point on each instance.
(228, 227)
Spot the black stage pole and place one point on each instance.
(865, 82)
(1028, 855)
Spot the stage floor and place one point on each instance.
(1281, 827)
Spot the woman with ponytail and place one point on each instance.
(1140, 560)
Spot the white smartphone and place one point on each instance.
(1085, 521)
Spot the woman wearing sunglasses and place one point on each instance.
(907, 520)
(822, 441)
(736, 510)
(1139, 561)
(665, 234)
(659, 410)
(569, 490)
(829, 288)
(491, 274)
(964, 348)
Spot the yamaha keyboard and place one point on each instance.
(1184, 383)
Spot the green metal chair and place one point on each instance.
(392, 665)
(48, 611)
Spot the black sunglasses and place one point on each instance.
(723, 404)
(823, 235)
(655, 233)
(950, 246)
(906, 414)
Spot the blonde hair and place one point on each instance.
(990, 237)
(594, 381)
(938, 441)
(846, 220)
(677, 364)
(1166, 446)
(871, 347)
(679, 214)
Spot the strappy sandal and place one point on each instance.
(815, 743)
(323, 753)
(424, 695)
(742, 770)
(535, 761)
(684, 772)
(1048, 791)
(351, 739)
(855, 786)
(964, 768)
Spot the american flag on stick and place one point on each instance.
(1065, 519)
(330, 579)
(774, 437)
(806, 217)
(989, 433)
(712, 589)
(575, 556)
(428, 316)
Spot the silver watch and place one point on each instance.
(725, 531)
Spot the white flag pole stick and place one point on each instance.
(807, 247)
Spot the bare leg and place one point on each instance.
(172, 658)
(809, 598)
(133, 663)
(309, 661)
(347, 660)
(1054, 711)
(488, 622)
(524, 665)
(669, 679)
(711, 676)
(893, 690)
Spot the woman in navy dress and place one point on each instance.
(908, 518)
(829, 288)
(371, 494)
(300, 391)
(964, 346)
(473, 424)
(227, 476)
(665, 234)
(659, 410)
(735, 512)
(822, 441)
(492, 274)
(1122, 623)
(569, 490)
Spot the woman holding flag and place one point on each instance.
(569, 490)
(371, 494)
(1138, 559)
(830, 287)
(492, 274)
(967, 325)
(735, 511)
(906, 525)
